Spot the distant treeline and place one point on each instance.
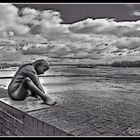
(6, 65)
(114, 64)
(126, 64)
(77, 65)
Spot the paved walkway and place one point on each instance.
(99, 115)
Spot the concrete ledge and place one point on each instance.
(16, 118)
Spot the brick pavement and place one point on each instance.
(100, 115)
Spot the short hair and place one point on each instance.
(41, 62)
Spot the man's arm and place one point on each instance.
(37, 81)
(34, 77)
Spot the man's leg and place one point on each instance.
(35, 90)
(20, 93)
(31, 94)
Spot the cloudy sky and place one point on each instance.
(71, 13)
(78, 32)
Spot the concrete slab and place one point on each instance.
(28, 105)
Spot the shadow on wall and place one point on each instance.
(3, 93)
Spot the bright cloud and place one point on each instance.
(29, 16)
(8, 12)
(106, 26)
(30, 20)
(88, 38)
(136, 13)
(52, 17)
(9, 22)
(43, 21)
(25, 21)
(51, 22)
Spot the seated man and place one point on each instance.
(26, 82)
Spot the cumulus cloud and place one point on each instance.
(29, 20)
(46, 49)
(51, 21)
(106, 26)
(8, 12)
(8, 20)
(26, 20)
(47, 21)
(51, 16)
(81, 39)
(128, 43)
(60, 50)
(29, 16)
(36, 49)
(43, 22)
(136, 13)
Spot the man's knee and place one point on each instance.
(27, 79)
(26, 82)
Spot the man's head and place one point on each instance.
(40, 66)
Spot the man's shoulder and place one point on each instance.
(28, 68)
